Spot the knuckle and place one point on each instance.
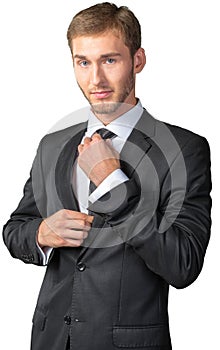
(62, 212)
(80, 235)
(79, 242)
(87, 226)
(59, 224)
(85, 234)
(81, 223)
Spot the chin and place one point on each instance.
(105, 107)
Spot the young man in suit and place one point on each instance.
(117, 207)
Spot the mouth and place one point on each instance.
(101, 94)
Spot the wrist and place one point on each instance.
(98, 177)
(40, 235)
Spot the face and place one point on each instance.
(105, 72)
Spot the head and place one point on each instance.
(105, 42)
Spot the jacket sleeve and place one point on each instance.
(177, 252)
(19, 233)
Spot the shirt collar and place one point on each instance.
(122, 126)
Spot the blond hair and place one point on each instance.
(106, 16)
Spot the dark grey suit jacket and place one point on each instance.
(148, 233)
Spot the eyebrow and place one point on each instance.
(106, 55)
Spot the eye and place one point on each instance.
(110, 60)
(83, 63)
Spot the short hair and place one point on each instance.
(106, 16)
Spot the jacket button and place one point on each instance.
(81, 266)
(28, 257)
(67, 320)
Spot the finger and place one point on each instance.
(77, 215)
(90, 219)
(79, 225)
(109, 142)
(72, 214)
(73, 234)
(80, 148)
(87, 140)
(96, 137)
(85, 234)
(73, 242)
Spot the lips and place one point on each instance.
(101, 94)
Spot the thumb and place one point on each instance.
(109, 142)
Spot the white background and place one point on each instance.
(179, 85)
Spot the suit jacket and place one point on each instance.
(148, 233)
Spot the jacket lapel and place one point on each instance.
(138, 143)
(64, 169)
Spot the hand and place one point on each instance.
(65, 228)
(98, 158)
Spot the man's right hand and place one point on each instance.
(65, 228)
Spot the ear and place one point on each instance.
(139, 60)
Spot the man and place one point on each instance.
(118, 214)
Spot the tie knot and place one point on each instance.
(105, 134)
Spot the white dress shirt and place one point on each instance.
(122, 127)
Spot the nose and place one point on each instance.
(97, 75)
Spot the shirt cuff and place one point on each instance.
(116, 178)
(45, 253)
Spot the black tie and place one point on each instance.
(105, 134)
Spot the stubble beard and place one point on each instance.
(108, 108)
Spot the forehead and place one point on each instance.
(99, 44)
